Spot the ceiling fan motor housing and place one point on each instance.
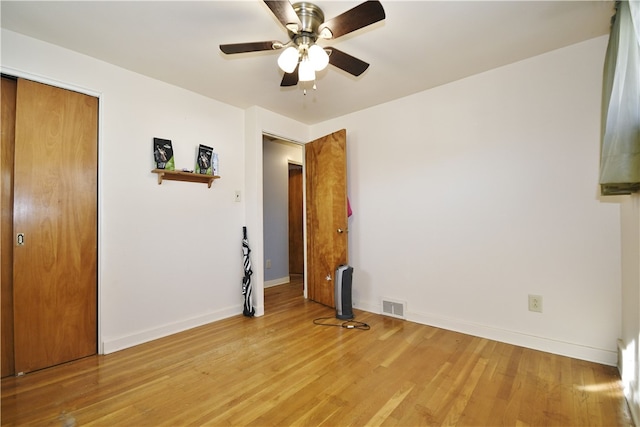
(311, 16)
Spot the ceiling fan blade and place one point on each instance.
(290, 79)
(346, 62)
(250, 47)
(364, 14)
(283, 10)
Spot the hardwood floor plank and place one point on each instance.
(281, 369)
(385, 411)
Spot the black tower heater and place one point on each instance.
(344, 309)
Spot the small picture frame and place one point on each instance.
(203, 160)
(215, 165)
(163, 154)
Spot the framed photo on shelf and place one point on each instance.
(214, 164)
(163, 154)
(203, 160)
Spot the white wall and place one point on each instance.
(169, 255)
(630, 338)
(470, 196)
(277, 155)
(466, 198)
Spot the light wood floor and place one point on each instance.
(281, 369)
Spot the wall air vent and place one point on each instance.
(394, 308)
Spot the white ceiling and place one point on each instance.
(420, 45)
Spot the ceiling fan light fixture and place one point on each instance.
(288, 59)
(301, 58)
(306, 72)
(318, 57)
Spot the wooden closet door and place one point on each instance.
(55, 209)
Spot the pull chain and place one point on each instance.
(304, 89)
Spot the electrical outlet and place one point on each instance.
(535, 303)
(268, 263)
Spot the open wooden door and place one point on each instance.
(326, 184)
(55, 226)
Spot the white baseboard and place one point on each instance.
(620, 355)
(276, 282)
(562, 348)
(577, 351)
(110, 345)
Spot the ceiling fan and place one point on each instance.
(305, 23)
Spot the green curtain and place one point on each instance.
(620, 140)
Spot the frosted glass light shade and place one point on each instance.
(318, 57)
(288, 59)
(306, 73)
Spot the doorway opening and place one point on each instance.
(283, 212)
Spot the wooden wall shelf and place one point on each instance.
(184, 176)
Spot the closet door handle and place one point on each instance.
(20, 239)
